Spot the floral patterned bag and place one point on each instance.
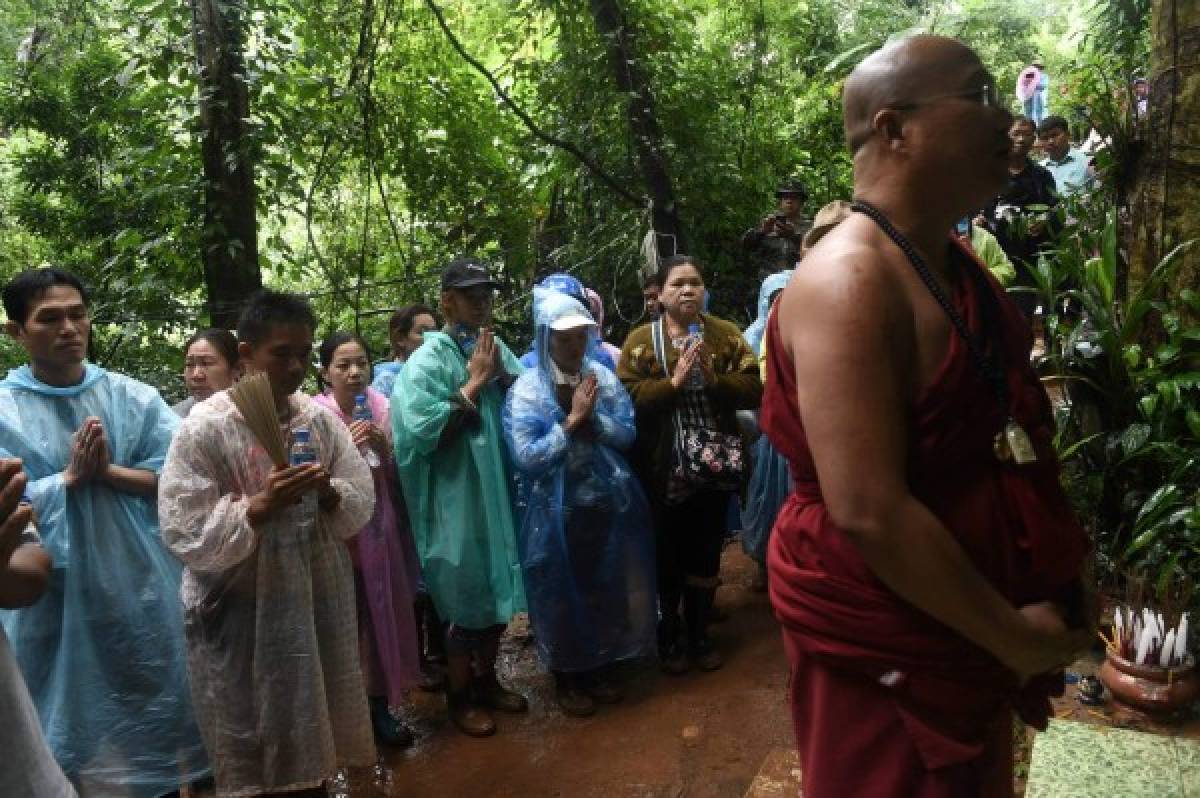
(707, 458)
(704, 458)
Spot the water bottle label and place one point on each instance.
(302, 450)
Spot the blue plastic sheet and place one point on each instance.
(770, 482)
(771, 285)
(386, 373)
(584, 530)
(103, 651)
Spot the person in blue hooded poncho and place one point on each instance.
(584, 532)
(103, 651)
(570, 286)
(770, 481)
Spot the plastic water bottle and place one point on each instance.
(363, 413)
(30, 533)
(696, 378)
(302, 451)
(466, 338)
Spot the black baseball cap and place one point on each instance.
(792, 186)
(466, 272)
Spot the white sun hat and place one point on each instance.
(572, 321)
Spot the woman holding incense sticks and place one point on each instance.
(385, 560)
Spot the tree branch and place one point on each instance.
(552, 140)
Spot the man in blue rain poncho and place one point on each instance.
(587, 548)
(102, 652)
(455, 475)
(770, 482)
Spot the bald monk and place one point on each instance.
(926, 569)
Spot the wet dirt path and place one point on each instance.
(701, 735)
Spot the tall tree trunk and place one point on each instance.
(230, 240)
(620, 41)
(1166, 191)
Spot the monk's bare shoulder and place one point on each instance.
(845, 280)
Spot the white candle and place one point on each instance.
(1181, 640)
(1118, 628)
(1164, 659)
(1162, 627)
(1143, 647)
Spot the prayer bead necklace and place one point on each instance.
(1011, 443)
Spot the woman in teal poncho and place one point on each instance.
(455, 476)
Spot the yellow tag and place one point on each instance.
(1019, 446)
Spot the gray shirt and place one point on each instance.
(183, 408)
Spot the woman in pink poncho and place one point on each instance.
(385, 562)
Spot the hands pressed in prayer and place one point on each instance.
(24, 565)
(484, 363)
(583, 403)
(16, 516)
(89, 453)
(91, 459)
(696, 354)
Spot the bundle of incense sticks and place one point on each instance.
(253, 398)
(1142, 637)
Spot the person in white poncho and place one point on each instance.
(268, 589)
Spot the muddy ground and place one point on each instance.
(701, 735)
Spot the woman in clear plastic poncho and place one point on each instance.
(770, 482)
(583, 522)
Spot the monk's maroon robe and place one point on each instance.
(885, 699)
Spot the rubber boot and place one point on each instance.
(487, 690)
(697, 610)
(672, 658)
(388, 729)
(571, 698)
(471, 720)
(432, 630)
(602, 686)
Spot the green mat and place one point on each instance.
(1080, 760)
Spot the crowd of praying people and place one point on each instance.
(183, 610)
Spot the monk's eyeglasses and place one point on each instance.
(986, 95)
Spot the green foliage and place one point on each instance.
(379, 153)
(92, 184)
(1127, 368)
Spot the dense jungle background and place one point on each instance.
(179, 153)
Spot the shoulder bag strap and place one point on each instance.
(658, 334)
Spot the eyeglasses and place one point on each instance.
(986, 95)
